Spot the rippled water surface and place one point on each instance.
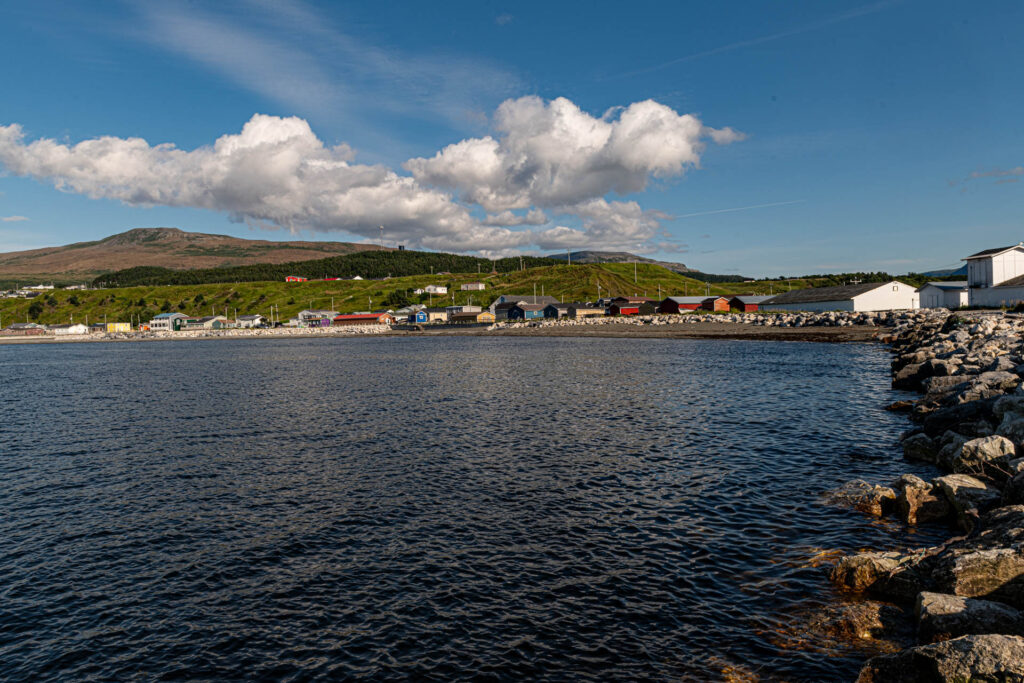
(430, 508)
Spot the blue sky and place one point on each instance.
(761, 138)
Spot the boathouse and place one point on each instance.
(364, 319)
(715, 303)
(747, 304)
(680, 304)
(526, 312)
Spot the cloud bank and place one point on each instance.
(546, 158)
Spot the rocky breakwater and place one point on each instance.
(764, 319)
(967, 594)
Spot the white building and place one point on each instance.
(866, 296)
(435, 289)
(315, 314)
(63, 330)
(473, 287)
(950, 294)
(250, 320)
(995, 277)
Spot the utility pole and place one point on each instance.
(634, 271)
(568, 256)
(382, 237)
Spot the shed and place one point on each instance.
(473, 317)
(680, 304)
(364, 319)
(472, 287)
(294, 278)
(624, 309)
(435, 315)
(526, 312)
(582, 310)
(747, 304)
(948, 294)
(715, 303)
(556, 310)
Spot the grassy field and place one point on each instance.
(568, 283)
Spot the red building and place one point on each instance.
(747, 304)
(364, 319)
(624, 309)
(294, 278)
(680, 304)
(715, 303)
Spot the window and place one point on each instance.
(895, 288)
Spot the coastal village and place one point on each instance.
(995, 279)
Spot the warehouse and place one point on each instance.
(865, 296)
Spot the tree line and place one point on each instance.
(366, 264)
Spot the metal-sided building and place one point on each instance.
(624, 309)
(948, 294)
(866, 296)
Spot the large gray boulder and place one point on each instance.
(941, 617)
(921, 504)
(950, 445)
(980, 658)
(919, 447)
(976, 454)
(951, 417)
(968, 496)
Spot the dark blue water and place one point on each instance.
(434, 509)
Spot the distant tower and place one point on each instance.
(382, 237)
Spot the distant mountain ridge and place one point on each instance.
(619, 257)
(165, 247)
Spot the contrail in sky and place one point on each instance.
(804, 28)
(740, 208)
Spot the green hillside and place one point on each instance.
(569, 283)
(369, 265)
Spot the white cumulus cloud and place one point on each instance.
(554, 154)
(276, 172)
(13, 219)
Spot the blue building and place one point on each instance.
(419, 317)
(526, 312)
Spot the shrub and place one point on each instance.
(35, 309)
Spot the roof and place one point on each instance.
(435, 309)
(946, 285)
(249, 317)
(686, 299)
(1012, 282)
(161, 316)
(751, 299)
(471, 314)
(819, 294)
(528, 299)
(633, 299)
(360, 316)
(531, 307)
(993, 252)
(559, 304)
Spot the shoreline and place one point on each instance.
(963, 599)
(675, 330)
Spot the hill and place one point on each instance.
(164, 247)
